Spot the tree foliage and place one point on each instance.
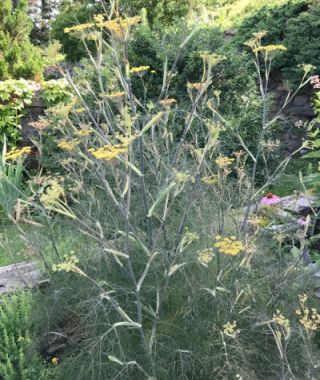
(19, 58)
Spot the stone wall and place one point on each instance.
(301, 106)
(295, 116)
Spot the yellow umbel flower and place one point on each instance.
(283, 322)
(116, 95)
(210, 180)
(194, 86)
(78, 28)
(229, 245)
(269, 48)
(205, 256)
(230, 329)
(168, 102)
(52, 194)
(14, 154)
(309, 318)
(117, 26)
(223, 162)
(68, 265)
(182, 177)
(68, 145)
(79, 110)
(55, 361)
(260, 35)
(139, 69)
(108, 152)
(84, 132)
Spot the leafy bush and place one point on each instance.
(72, 15)
(19, 58)
(296, 25)
(14, 96)
(55, 91)
(18, 360)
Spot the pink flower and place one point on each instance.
(304, 221)
(270, 199)
(315, 81)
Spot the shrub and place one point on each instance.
(179, 277)
(295, 25)
(15, 95)
(19, 58)
(18, 360)
(71, 15)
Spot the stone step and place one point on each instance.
(20, 275)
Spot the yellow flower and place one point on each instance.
(229, 246)
(310, 319)
(68, 145)
(282, 321)
(14, 154)
(230, 329)
(108, 152)
(84, 132)
(52, 194)
(117, 26)
(260, 35)
(182, 176)
(194, 86)
(167, 102)
(269, 48)
(223, 162)
(99, 19)
(116, 95)
(55, 361)
(79, 110)
(137, 70)
(68, 265)
(212, 180)
(78, 28)
(211, 59)
(205, 256)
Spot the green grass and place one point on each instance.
(13, 248)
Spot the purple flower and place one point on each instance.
(270, 199)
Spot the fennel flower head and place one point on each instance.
(270, 199)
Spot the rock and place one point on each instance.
(34, 111)
(54, 343)
(17, 276)
(298, 203)
(301, 100)
(281, 228)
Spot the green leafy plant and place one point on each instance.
(14, 96)
(11, 179)
(55, 91)
(18, 56)
(283, 23)
(18, 359)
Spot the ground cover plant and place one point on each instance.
(150, 213)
